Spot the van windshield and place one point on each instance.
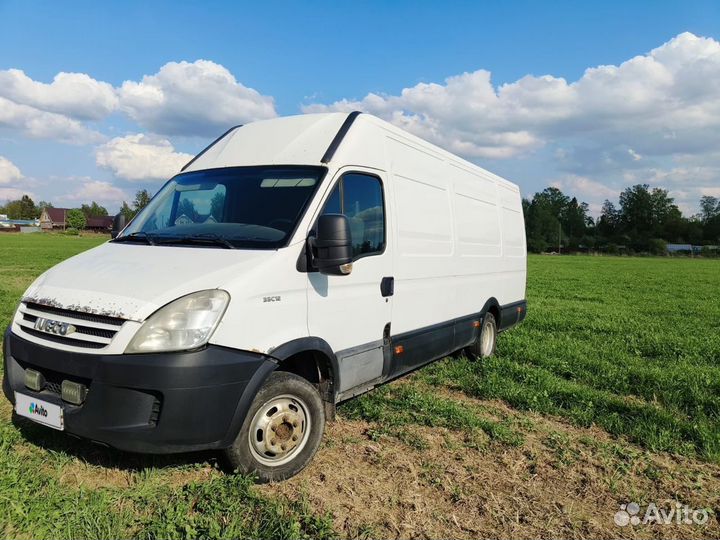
(237, 207)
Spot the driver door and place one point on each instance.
(351, 312)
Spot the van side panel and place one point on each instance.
(513, 245)
(460, 238)
(476, 215)
(479, 261)
(424, 231)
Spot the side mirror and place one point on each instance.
(332, 247)
(119, 223)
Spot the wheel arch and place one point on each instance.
(282, 358)
(492, 306)
(305, 348)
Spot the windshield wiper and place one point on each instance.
(198, 239)
(140, 235)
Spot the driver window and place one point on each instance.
(360, 198)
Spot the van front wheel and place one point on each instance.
(282, 430)
(486, 342)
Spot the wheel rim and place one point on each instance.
(279, 430)
(487, 340)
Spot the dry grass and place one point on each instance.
(563, 481)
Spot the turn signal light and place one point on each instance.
(399, 349)
(476, 324)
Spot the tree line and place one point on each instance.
(25, 208)
(644, 221)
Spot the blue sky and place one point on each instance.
(290, 57)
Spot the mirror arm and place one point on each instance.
(311, 251)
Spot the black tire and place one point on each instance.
(281, 390)
(488, 330)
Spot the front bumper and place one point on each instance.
(151, 403)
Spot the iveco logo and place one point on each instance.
(54, 327)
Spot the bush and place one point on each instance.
(76, 219)
(71, 232)
(657, 246)
(708, 251)
(536, 245)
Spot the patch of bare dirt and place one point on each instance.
(562, 482)
(78, 473)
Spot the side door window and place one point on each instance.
(360, 197)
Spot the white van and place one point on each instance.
(293, 264)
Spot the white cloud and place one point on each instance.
(201, 98)
(141, 157)
(96, 190)
(465, 115)
(38, 124)
(10, 178)
(710, 191)
(9, 172)
(75, 95)
(56, 110)
(682, 175)
(663, 103)
(12, 194)
(585, 188)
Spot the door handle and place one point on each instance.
(387, 286)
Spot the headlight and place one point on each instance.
(186, 323)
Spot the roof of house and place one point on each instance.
(100, 222)
(57, 215)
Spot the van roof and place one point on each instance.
(306, 139)
(296, 140)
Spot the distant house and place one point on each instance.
(103, 223)
(53, 218)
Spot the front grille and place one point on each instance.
(62, 339)
(55, 388)
(92, 317)
(99, 332)
(91, 331)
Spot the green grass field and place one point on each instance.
(630, 344)
(627, 345)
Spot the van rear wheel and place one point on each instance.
(486, 342)
(282, 430)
